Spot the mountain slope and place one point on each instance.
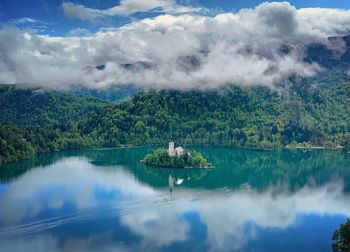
(241, 117)
(35, 107)
(334, 55)
(256, 117)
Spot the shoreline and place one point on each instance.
(180, 167)
(341, 245)
(313, 147)
(174, 167)
(157, 145)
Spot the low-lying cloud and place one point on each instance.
(180, 52)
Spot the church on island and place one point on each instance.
(172, 151)
(175, 158)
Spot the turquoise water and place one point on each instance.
(105, 200)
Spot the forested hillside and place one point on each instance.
(34, 121)
(33, 107)
(242, 117)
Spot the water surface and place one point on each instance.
(105, 200)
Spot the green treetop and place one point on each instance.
(160, 157)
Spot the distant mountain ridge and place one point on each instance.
(336, 55)
(333, 57)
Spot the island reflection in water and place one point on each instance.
(106, 200)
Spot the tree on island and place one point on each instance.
(341, 237)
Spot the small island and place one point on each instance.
(176, 158)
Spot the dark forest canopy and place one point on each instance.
(34, 121)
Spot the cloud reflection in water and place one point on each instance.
(112, 210)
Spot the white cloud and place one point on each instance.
(80, 11)
(126, 7)
(181, 52)
(79, 32)
(24, 20)
(28, 23)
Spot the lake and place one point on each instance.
(106, 200)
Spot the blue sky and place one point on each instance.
(48, 17)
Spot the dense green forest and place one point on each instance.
(35, 107)
(160, 157)
(34, 121)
